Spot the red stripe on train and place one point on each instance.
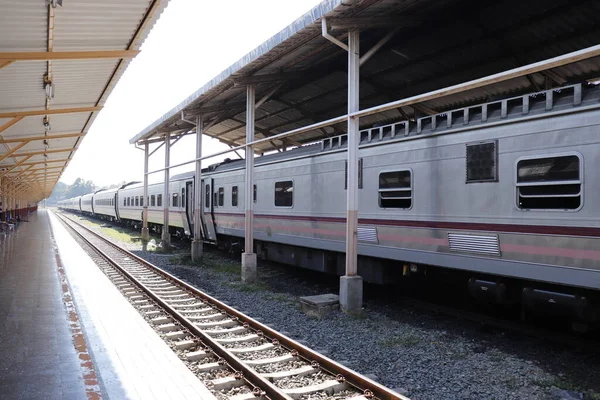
(509, 228)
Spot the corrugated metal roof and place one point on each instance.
(83, 82)
(438, 44)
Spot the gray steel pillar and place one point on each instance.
(351, 285)
(145, 231)
(249, 257)
(197, 248)
(166, 237)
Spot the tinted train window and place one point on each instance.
(395, 189)
(549, 183)
(254, 193)
(482, 165)
(221, 197)
(159, 200)
(234, 196)
(182, 198)
(124, 201)
(137, 201)
(284, 194)
(152, 201)
(207, 196)
(175, 200)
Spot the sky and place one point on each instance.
(192, 42)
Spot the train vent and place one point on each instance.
(367, 234)
(478, 244)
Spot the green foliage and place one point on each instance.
(63, 191)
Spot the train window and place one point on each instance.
(152, 200)
(159, 200)
(221, 197)
(141, 201)
(207, 196)
(395, 189)
(254, 193)
(182, 197)
(284, 194)
(137, 201)
(549, 183)
(128, 201)
(124, 201)
(234, 196)
(482, 165)
(175, 202)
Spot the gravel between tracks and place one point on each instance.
(421, 355)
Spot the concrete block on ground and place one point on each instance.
(351, 294)
(197, 249)
(249, 274)
(320, 306)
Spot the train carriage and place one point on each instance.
(105, 204)
(130, 204)
(86, 204)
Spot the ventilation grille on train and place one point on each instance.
(367, 234)
(478, 244)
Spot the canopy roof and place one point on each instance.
(434, 44)
(58, 65)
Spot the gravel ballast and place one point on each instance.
(421, 355)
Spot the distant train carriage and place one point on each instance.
(87, 206)
(105, 204)
(131, 202)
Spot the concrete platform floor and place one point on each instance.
(67, 333)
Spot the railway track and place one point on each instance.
(235, 356)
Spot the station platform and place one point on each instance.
(67, 333)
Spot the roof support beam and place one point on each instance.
(5, 63)
(361, 23)
(65, 55)
(216, 108)
(31, 165)
(10, 123)
(16, 114)
(21, 172)
(41, 162)
(12, 151)
(15, 166)
(377, 46)
(37, 153)
(34, 138)
(266, 78)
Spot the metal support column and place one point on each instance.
(249, 257)
(145, 232)
(166, 237)
(351, 286)
(197, 249)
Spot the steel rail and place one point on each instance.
(248, 374)
(362, 383)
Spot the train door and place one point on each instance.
(189, 205)
(207, 210)
(117, 206)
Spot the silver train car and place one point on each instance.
(104, 204)
(131, 203)
(505, 192)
